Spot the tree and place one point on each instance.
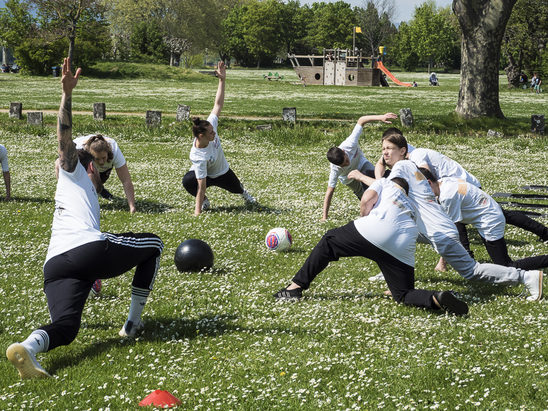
(60, 18)
(404, 49)
(375, 23)
(524, 41)
(432, 35)
(16, 23)
(331, 26)
(483, 24)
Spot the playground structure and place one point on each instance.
(341, 67)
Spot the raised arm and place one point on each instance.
(385, 118)
(68, 157)
(220, 97)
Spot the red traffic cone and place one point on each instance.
(160, 398)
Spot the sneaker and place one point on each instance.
(106, 194)
(533, 283)
(378, 277)
(25, 362)
(130, 329)
(96, 288)
(285, 294)
(206, 205)
(248, 197)
(450, 303)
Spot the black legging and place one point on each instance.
(346, 241)
(68, 277)
(228, 181)
(498, 251)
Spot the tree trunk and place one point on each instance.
(71, 49)
(4, 55)
(512, 72)
(483, 23)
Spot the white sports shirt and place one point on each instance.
(352, 149)
(209, 161)
(4, 158)
(440, 165)
(432, 220)
(76, 216)
(391, 223)
(464, 202)
(118, 159)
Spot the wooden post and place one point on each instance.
(153, 118)
(99, 111)
(35, 118)
(537, 123)
(16, 110)
(183, 112)
(406, 117)
(289, 114)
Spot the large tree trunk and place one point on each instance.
(71, 49)
(483, 23)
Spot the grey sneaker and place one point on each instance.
(248, 197)
(206, 204)
(25, 362)
(533, 283)
(130, 329)
(378, 277)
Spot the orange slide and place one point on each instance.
(381, 67)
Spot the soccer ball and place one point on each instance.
(278, 239)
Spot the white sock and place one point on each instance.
(37, 341)
(139, 298)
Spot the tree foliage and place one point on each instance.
(375, 21)
(524, 41)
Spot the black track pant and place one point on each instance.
(498, 251)
(521, 220)
(228, 181)
(68, 277)
(346, 241)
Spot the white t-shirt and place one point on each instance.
(357, 160)
(4, 158)
(432, 220)
(441, 166)
(118, 159)
(76, 216)
(466, 203)
(209, 161)
(391, 223)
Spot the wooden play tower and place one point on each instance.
(339, 67)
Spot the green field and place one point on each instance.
(217, 339)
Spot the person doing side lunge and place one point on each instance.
(209, 165)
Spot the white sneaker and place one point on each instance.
(378, 277)
(206, 205)
(533, 283)
(130, 330)
(25, 362)
(248, 198)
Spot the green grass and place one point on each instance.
(218, 340)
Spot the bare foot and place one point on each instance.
(441, 266)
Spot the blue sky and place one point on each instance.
(404, 8)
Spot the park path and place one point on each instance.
(168, 114)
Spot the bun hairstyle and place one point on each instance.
(98, 144)
(199, 126)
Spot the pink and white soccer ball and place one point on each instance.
(278, 239)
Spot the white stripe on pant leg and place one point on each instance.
(135, 242)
